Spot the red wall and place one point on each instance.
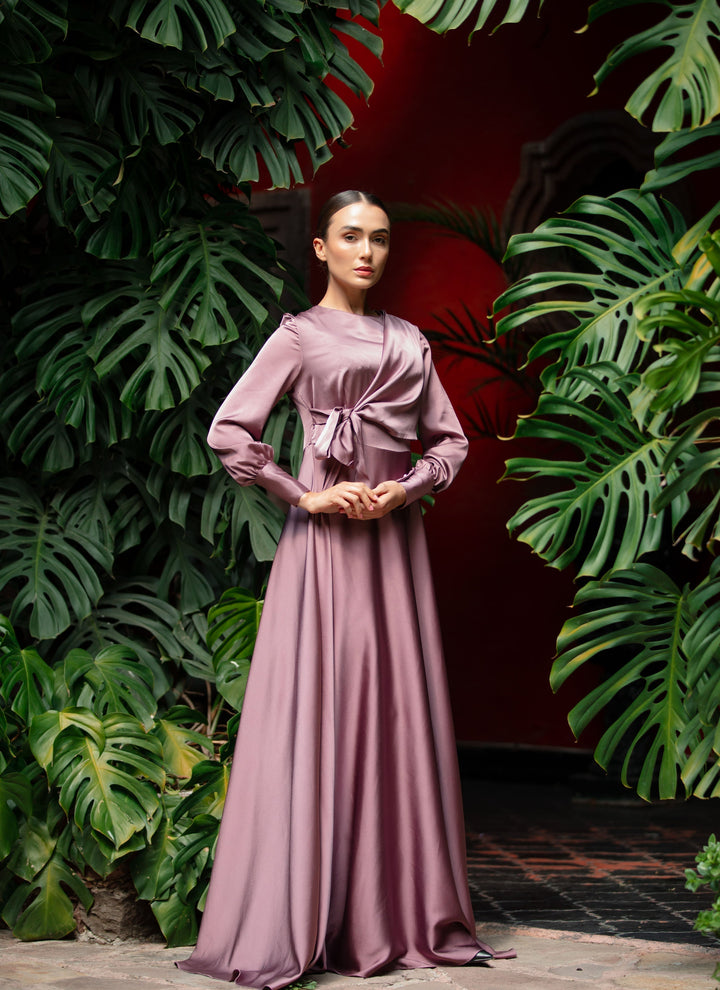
(448, 119)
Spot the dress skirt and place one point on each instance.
(342, 844)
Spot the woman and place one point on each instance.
(342, 842)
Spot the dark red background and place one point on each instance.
(447, 119)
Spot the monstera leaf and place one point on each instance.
(189, 574)
(685, 328)
(152, 868)
(693, 462)
(228, 507)
(102, 768)
(133, 615)
(232, 630)
(41, 907)
(671, 157)
(236, 139)
(178, 438)
(24, 145)
(444, 15)
(130, 326)
(597, 514)
(630, 241)
(210, 266)
(30, 29)
(53, 567)
(209, 783)
(78, 164)
(27, 683)
(182, 746)
(129, 225)
(183, 24)
(641, 613)
(15, 793)
(111, 681)
(684, 91)
(67, 376)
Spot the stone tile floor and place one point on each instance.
(552, 856)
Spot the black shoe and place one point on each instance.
(481, 958)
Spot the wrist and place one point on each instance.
(306, 500)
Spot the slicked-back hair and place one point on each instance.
(338, 202)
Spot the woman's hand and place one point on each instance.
(389, 495)
(353, 498)
(356, 500)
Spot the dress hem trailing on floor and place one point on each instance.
(342, 843)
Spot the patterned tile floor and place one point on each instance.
(549, 856)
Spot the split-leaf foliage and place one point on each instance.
(625, 438)
(136, 286)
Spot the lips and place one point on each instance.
(364, 271)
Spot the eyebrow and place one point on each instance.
(359, 230)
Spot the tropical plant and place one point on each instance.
(467, 336)
(707, 874)
(136, 286)
(631, 475)
(95, 770)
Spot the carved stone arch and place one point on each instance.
(594, 153)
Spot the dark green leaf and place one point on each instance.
(103, 786)
(53, 568)
(26, 681)
(179, 24)
(112, 681)
(207, 267)
(643, 611)
(446, 15)
(684, 91)
(232, 630)
(49, 913)
(599, 517)
(629, 240)
(134, 332)
(24, 145)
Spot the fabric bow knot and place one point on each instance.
(340, 437)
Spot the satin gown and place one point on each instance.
(342, 842)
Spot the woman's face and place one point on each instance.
(356, 246)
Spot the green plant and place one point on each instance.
(707, 874)
(95, 769)
(626, 425)
(136, 286)
(465, 336)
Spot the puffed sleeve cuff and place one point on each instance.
(418, 482)
(278, 482)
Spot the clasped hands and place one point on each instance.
(356, 500)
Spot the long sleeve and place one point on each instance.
(443, 441)
(236, 431)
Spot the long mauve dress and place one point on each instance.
(342, 843)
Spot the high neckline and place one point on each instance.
(377, 315)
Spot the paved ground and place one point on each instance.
(583, 859)
(569, 873)
(547, 960)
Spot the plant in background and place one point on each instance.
(628, 416)
(469, 337)
(707, 874)
(136, 287)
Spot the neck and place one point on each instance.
(348, 302)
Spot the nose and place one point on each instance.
(366, 248)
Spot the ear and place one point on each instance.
(319, 246)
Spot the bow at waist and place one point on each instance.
(340, 436)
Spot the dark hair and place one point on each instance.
(338, 202)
